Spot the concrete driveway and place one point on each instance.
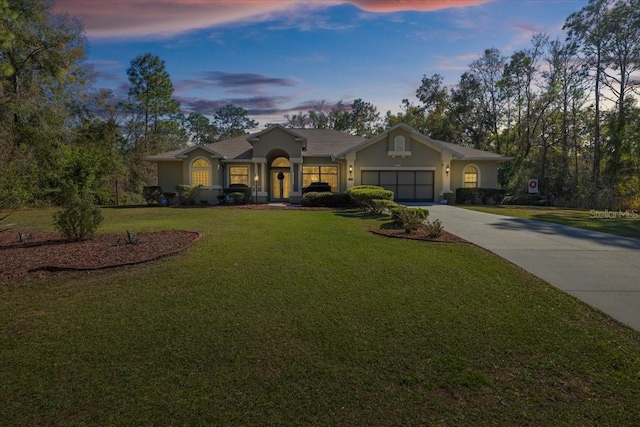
(600, 269)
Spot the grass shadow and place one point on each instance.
(141, 206)
(48, 242)
(360, 214)
(390, 225)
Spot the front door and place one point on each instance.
(280, 184)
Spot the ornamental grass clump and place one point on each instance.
(434, 228)
(79, 217)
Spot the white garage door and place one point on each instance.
(406, 185)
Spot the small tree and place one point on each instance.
(79, 218)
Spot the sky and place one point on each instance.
(277, 57)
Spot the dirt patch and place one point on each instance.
(419, 234)
(44, 251)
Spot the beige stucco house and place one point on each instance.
(279, 162)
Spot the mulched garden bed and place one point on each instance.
(45, 251)
(419, 234)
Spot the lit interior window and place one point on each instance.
(201, 173)
(470, 177)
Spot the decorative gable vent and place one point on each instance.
(399, 147)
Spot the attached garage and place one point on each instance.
(407, 185)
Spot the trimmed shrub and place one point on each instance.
(188, 194)
(326, 199)
(449, 197)
(364, 195)
(153, 194)
(383, 206)
(477, 196)
(238, 188)
(79, 218)
(410, 219)
(169, 197)
(237, 197)
(317, 187)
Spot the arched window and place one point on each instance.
(281, 162)
(470, 177)
(201, 172)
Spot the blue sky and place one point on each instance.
(274, 57)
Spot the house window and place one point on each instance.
(328, 174)
(239, 175)
(201, 172)
(281, 162)
(470, 177)
(398, 143)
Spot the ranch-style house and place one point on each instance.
(280, 162)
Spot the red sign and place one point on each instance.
(533, 186)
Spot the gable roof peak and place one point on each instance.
(255, 137)
(206, 147)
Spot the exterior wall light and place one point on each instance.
(447, 170)
(350, 169)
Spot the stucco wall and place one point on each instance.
(488, 173)
(211, 193)
(376, 155)
(277, 139)
(216, 173)
(169, 175)
(326, 161)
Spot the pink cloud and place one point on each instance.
(126, 18)
(416, 5)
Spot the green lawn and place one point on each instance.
(621, 223)
(305, 318)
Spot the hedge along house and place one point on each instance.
(278, 163)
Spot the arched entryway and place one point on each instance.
(280, 179)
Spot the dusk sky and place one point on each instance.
(274, 57)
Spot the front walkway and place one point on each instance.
(600, 269)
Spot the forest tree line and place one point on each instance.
(564, 109)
